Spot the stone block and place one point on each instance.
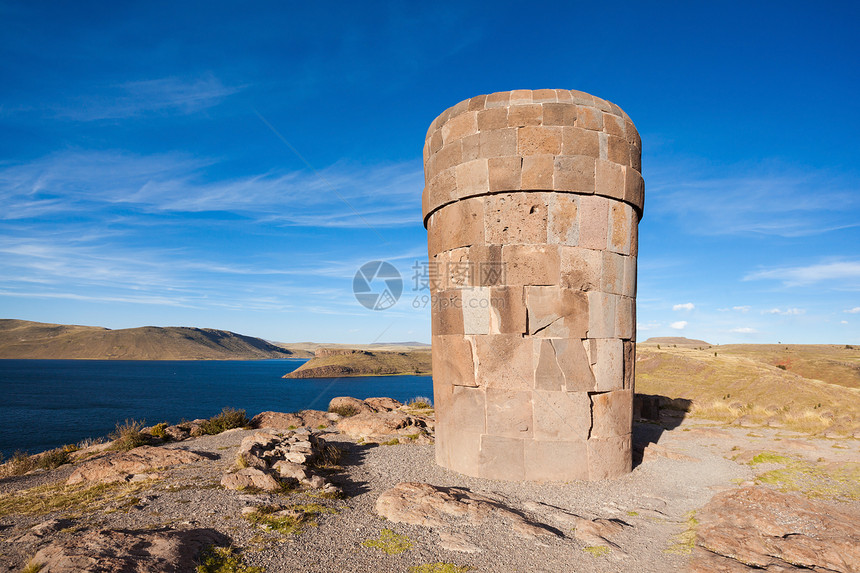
(471, 147)
(486, 265)
(537, 172)
(581, 98)
(609, 457)
(507, 310)
(614, 125)
(563, 96)
(460, 126)
(519, 97)
(468, 410)
(447, 314)
(630, 365)
(498, 143)
(435, 142)
(464, 451)
(505, 173)
(531, 264)
(548, 374)
(588, 117)
(634, 188)
(501, 458)
(515, 218)
(498, 99)
(593, 222)
(618, 150)
(609, 365)
(477, 103)
(629, 288)
(602, 104)
(442, 189)
(636, 159)
(523, 115)
(472, 178)
(458, 108)
(579, 141)
(631, 133)
(612, 414)
(609, 179)
(580, 268)
(563, 219)
(544, 96)
(539, 140)
(458, 224)
(625, 318)
(601, 314)
(556, 461)
(559, 114)
(634, 235)
(451, 155)
(556, 312)
(457, 269)
(509, 413)
(575, 364)
(494, 118)
(573, 173)
(504, 361)
(561, 416)
(476, 309)
(612, 275)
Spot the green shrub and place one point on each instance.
(128, 436)
(228, 419)
(346, 410)
(33, 567)
(439, 568)
(420, 403)
(159, 431)
(389, 542)
(223, 560)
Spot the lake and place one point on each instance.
(45, 404)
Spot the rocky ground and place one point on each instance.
(701, 497)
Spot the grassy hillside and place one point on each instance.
(36, 340)
(738, 384)
(836, 364)
(349, 362)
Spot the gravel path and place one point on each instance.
(654, 500)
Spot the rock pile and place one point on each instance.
(270, 462)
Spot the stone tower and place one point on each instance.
(532, 202)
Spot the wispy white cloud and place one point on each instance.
(786, 312)
(160, 96)
(744, 330)
(758, 200)
(843, 322)
(679, 325)
(342, 195)
(854, 310)
(742, 308)
(684, 306)
(810, 274)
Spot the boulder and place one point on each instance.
(253, 478)
(433, 506)
(348, 403)
(305, 418)
(123, 466)
(108, 551)
(753, 527)
(383, 404)
(376, 424)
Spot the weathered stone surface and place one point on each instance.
(122, 466)
(434, 506)
(753, 528)
(383, 403)
(348, 403)
(379, 424)
(535, 194)
(106, 551)
(250, 478)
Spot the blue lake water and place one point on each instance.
(45, 404)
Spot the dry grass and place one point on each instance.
(728, 388)
(822, 480)
(80, 498)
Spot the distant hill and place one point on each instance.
(335, 362)
(679, 340)
(37, 340)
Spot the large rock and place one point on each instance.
(381, 425)
(434, 506)
(123, 466)
(753, 528)
(283, 421)
(109, 551)
(250, 478)
(348, 403)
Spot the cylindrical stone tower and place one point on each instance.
(532, 204)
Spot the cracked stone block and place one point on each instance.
(611, 414)
(504, 361)
(561, 416)
(507, 310)
(453, 362)
(608, 364)
(556, 312)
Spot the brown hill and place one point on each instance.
(676, 340)
(334, 362)
(36, 340)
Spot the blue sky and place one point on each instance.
(231, 166)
